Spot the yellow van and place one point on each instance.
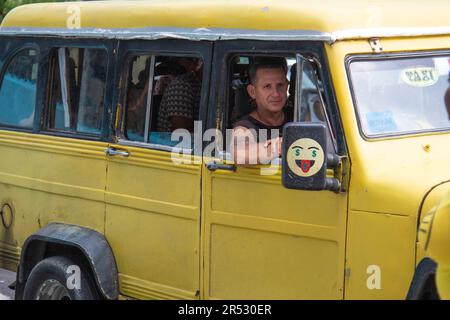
(98, 202)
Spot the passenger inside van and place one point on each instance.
(181, 100)
(175, 96)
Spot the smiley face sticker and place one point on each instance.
(305, 157)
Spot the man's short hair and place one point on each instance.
(266, 63)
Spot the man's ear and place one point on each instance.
(251, 91)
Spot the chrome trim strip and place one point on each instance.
(198, 34)
(161, 147)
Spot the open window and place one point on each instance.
(308, 106)
(162, 95)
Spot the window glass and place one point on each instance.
(18, 90)
(163, 94)
(402, 95)
(311, 107)
(241, 104)
(137, 95)
(249, 100)
(77, 90)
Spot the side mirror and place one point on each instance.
(305, 158)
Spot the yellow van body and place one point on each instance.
(185, 232)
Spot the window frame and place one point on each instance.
(384, 57)
(9, 57)
(225, 50)
(158, 48)
(53, 44)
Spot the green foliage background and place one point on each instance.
(7, 5)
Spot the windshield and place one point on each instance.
(402, 95)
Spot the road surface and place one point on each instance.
(6, 278)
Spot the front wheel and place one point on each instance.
(59, 278)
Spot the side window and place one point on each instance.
(162, 95)
(241, 106)
(77, 90)
(18, 90)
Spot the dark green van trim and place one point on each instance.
(92, 245)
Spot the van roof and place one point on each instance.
(328, 20)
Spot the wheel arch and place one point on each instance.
(63, 239)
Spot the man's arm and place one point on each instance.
(246, 151)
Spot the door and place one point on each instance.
(153, 200)
(261, 240)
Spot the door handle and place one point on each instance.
(213, 166)
(110, 151)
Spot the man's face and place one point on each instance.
(269, 89)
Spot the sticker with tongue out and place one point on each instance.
(305, 157)
(305, 165)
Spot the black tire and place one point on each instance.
(423, 286)
(49, 278)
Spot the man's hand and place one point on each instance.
(246, 151)
(274, 147)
